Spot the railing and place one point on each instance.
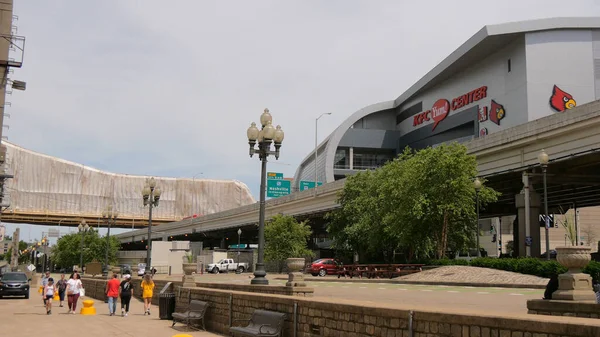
(132, 254)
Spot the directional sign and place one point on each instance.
(278, 188)
(274, 176)
(53, 233)
(305, 185)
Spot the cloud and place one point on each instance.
(146, 87)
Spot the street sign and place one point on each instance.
(53, 233)
(305, 185)
(274, 176)
(31, 267)
(278, 188)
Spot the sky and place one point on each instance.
(159, 88)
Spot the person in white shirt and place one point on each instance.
(73, 290)
(48, 294)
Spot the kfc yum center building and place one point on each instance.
(503, 76)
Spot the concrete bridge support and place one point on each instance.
(528, 204)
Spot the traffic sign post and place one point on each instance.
(306, 185)
(278, 188)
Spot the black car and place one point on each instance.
(14, 284)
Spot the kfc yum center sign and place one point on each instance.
(442, 107)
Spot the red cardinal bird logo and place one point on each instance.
(561, 100)
(497, 112)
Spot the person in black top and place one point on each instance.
(551, 287)
(126, 291)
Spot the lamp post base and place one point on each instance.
(259, 275)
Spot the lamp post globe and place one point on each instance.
(266, 136)
(151, 194)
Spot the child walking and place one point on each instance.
(48, 294)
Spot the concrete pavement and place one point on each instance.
(23, 317)
(496, 300)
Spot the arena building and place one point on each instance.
(503, 76)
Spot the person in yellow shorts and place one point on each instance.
(147, 292)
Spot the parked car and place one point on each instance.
(14, 284)
(226, 265)
(552, 254)
(322, 267)
(141, 269)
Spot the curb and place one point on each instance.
(458, 284)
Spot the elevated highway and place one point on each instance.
(571, 139)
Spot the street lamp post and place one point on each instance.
(44, 261)
(239, 232)
(316, 145)
(267, 135)
(477, 185)
(151, 195)
(110, 217)
(83, 228)
(543, 159)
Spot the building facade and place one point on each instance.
(503, 76)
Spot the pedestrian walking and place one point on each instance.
(126, 291)
(45, 278)
(112, 292)
(147, 292)
(48, 294)
(74, 287)
(61, 285)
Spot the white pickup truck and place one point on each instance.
(226, 265)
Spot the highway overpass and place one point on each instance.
(571, 139)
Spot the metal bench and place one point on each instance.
(262, 323)
(195, 312)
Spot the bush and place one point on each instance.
(529, 266)
(593, 268)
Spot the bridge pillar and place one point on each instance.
(534, 223)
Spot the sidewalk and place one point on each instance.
(28, 318)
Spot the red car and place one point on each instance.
(322, 267)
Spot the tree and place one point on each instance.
(22, 257)
(67, 250)
(421, 203)
(285, 238)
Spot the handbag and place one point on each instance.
(70, 292)
(82, 292)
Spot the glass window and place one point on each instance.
(372, 158)
(341, 159)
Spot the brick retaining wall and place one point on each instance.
(336, 318)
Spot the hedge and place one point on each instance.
(529, 266)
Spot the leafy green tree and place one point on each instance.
(421, 203)
(285, 238)
(23, 258)
(67, 250)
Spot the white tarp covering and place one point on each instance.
(45, 184)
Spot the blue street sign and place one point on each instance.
(278, 188)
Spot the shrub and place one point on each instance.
(593, 268)
(529, 266)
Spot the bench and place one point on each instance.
(262, 323)
(195, 312)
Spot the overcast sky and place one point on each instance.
(168, 88)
